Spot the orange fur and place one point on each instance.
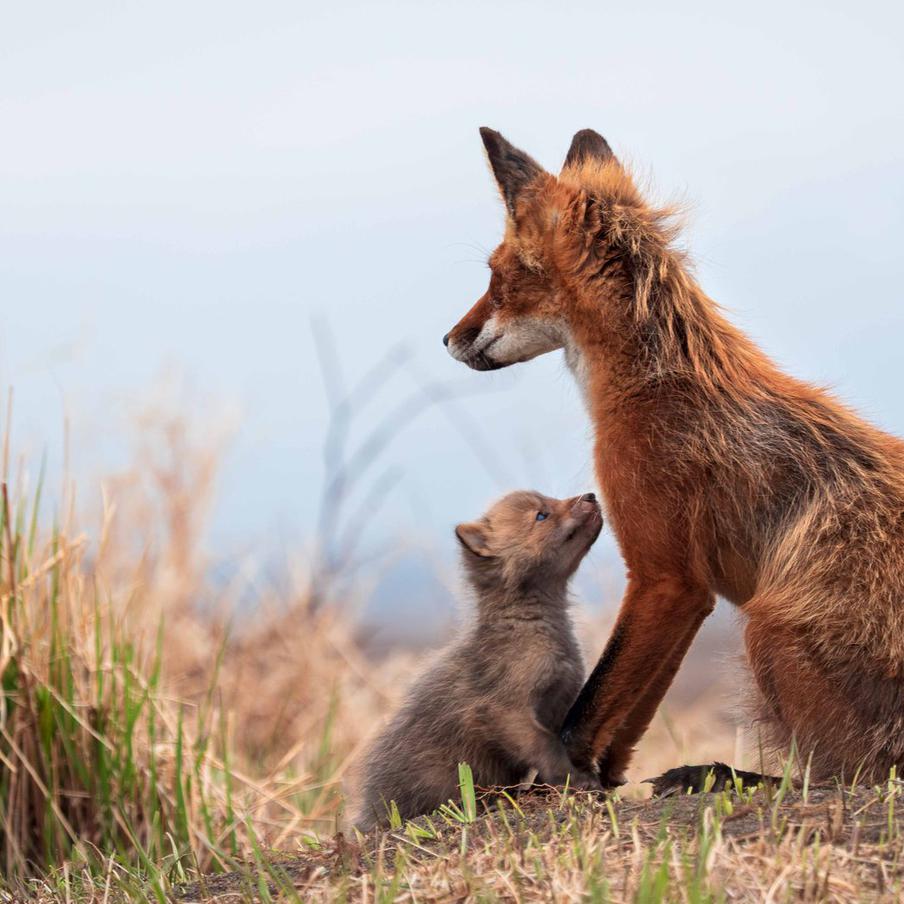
(721, 474)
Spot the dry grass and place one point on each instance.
(826, 845)
(153, 732)
(146, 729)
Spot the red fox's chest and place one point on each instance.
(662, 517)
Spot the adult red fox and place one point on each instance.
(721, 475)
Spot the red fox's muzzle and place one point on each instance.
(472, 338)
(488, 338)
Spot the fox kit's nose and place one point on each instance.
(588, 497)
(446, 340)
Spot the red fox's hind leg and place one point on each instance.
(845, 718)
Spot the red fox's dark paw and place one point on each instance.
(680, 780)
(693, 779)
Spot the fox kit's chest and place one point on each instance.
(554, 696)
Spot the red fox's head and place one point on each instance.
(551, 244)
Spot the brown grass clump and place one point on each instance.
(145, 728)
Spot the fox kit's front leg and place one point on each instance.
(655, 627)
(539, 748)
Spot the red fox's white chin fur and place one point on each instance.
(501, 345)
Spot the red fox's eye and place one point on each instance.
(542, 516)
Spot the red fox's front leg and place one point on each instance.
(655, 626)
(621, 748)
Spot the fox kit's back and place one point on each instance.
(496, 699)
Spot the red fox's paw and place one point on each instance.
(579, 780)
(612, 779)
(711, 776)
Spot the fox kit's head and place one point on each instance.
(530, 540)
(555, 242)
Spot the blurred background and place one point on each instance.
(265, 218)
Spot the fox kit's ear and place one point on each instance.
(512, 168)
(588, 145)
(473, 536)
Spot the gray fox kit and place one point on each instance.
(497, 697)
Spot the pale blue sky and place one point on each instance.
(187, 184)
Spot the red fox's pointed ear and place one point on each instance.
(473, 536)
(588, 145)
(512, 168)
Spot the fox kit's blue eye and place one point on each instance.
(542, 516)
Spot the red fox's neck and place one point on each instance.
(676, 383)
(675, 336)
(637, 317)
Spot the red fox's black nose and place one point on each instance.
(446, 339)
(588, 497)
